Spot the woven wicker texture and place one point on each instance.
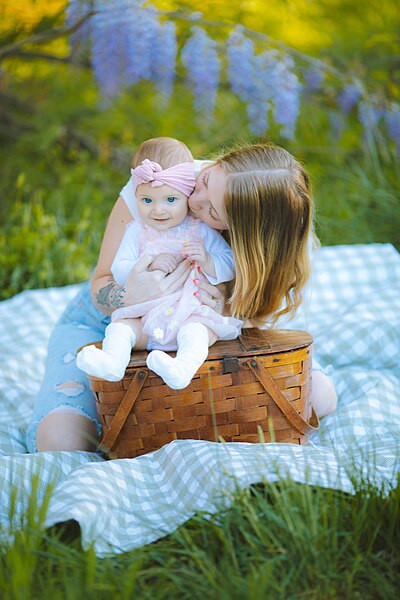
(249, 389)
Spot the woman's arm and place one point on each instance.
(106, 294)
(141, 285)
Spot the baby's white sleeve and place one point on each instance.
(221, 253)
(127, 254)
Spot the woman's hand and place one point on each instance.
(143, 285)
(211, 295)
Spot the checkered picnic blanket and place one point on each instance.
(352, 308)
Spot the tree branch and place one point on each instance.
(42, 55)
(71, 136)
(43, 37)
(260, 36)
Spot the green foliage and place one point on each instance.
(54, 213)
(359, 202)
(282, 540)
(64, 158)
(38, 250)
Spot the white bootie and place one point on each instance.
(177, 373)
(110, 362)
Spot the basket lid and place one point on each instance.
(252, 341)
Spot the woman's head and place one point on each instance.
(163, 178)
(264, 200)
(207, 201)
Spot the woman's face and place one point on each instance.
(207, 199)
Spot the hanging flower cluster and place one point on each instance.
(392, 120)
(128, 44)
(349, 96)
(287, 97)
(129, 41)
(313, 79)
(252, 78)
(200, 58)
(164, 52)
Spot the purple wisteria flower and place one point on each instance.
(313, 78)
(140, 30)
(392, 121)
(287, 97)
(128, 44)
(369, 115)
(123, 34)
(264, 81)
(200, 58)
(108, 51)
(337, 124)
(251, 78)
(240, 55)
(129, 41)
(163, 59)
(349, 96)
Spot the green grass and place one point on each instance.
(278, 540)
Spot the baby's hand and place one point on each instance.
(164, 262)
(195, 251)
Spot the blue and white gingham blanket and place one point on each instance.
(352, 309)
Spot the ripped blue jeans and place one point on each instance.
(64, 385)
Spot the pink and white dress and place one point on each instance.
(163, 317)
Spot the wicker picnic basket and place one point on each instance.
(250, 389)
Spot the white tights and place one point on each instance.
(111, 361)
(193, 342)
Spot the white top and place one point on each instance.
(130, 199)
(221, 253)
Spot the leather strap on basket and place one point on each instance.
(121, 415)
(273, 390)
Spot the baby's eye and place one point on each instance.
(171, 199)
(147, 200)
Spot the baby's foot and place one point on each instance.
(98, 363)
(169, 369)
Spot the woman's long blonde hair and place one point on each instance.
(269, 209)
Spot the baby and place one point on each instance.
(163, 179)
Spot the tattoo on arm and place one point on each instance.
(111, 295)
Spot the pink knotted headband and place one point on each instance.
(180, 177)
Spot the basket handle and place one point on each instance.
(131, 395)
(273, 390)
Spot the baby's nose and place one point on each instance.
(158, 209)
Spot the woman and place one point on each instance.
(260, 195)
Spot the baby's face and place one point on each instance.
(161, 207)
